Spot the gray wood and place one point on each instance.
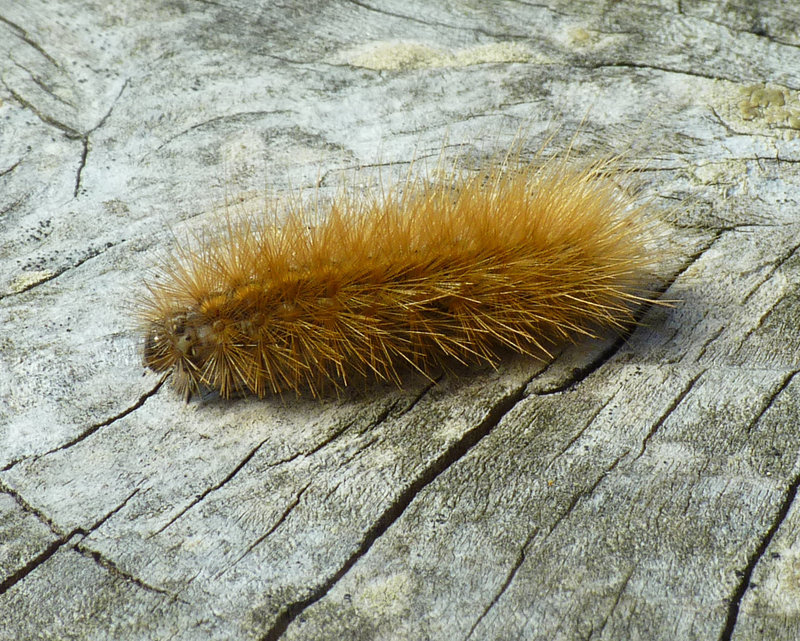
(632, 489)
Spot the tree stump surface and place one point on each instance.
(640, 487)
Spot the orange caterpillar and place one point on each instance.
(516, 256)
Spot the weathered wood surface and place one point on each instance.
(634, 489)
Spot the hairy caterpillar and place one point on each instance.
(518, 255)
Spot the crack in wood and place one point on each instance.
(212, 488)
(54, 546)
(774, 267)
(509, 578)
(402, 16)
(730, 130)
(524, 548)
(22, 34)
(110, 566)
(3, 172)
(662, 69)
(761, 34)
(235, 117)
(86, 135)
(672, 407)
(93, 252)
(105, 518)
(614, 605)
(422, 394)
(39, 82)
(708, 342)
(693, 258)
(281, 519)
(581, 373)
(584, 493)
(30, 566)
(772, 398)
(347, 459)
(382, 416)
(81, 165)
(758, 325)
(92, 429)
(327, 441)
(28, 508)
(580, 433)
(69, 132)
(324, 442)
(735, 600)
(395, 510)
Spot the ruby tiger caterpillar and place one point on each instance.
(517, 255)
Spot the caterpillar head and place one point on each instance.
(179, 344)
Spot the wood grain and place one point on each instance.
(639, 488)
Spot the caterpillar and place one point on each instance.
(517, 255)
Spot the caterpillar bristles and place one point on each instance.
(516, 256)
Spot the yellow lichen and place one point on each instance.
(394, 55)
(774, 106)
(28, 279)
